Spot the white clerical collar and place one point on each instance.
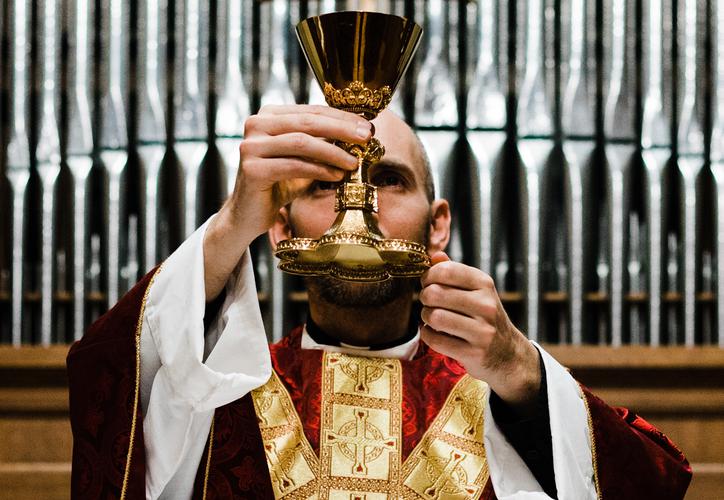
(404, 351)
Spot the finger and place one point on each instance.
(316, 109)
(327, 127)
(301, 145)
(271, 170)
(438, 257)
(473, 303)
(435, 258)
(457, 325)
(457, 275)
(447, 345)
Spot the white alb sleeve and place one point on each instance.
(180, 389)
(572, 459)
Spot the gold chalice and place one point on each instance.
(358, 59)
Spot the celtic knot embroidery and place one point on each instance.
(447, 477)
(471, 409)
(362, 371)
(281, 463)
(360, 441)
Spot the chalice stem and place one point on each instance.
(359, 175)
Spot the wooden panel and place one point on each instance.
(707, 483)
(31, 439)
(27, 357)
(637, 357)
(653, 400)
(34, 399)
(33, 481)
(701, 438)
(573, 357)
(52, 481)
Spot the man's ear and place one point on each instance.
(281, 229)
(439, 226)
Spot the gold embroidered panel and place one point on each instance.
(361, 438)
(291, 459)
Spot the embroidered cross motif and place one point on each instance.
(447, 477)
(471, 409)
(360, 441)
(264, 400)
(280, 464)
(363, 371)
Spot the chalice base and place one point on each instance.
(353, 257)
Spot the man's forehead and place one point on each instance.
(401, 145)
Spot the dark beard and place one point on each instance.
(359, 294)
(350, 294)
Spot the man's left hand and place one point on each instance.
(465, 320)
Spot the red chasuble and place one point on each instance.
(330, 423)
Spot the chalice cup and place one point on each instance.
(358, 58)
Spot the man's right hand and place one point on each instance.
(284, 150)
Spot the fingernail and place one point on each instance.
(363, 130)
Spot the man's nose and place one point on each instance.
(380, 225)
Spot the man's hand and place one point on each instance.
(465, 320)
(284, 150)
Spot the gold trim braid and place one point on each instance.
(208, 456)
(137, 388)
(592, 437)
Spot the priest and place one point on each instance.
(175, 393)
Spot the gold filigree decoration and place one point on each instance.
(356, 196)
(370, 152)
(357, 98)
